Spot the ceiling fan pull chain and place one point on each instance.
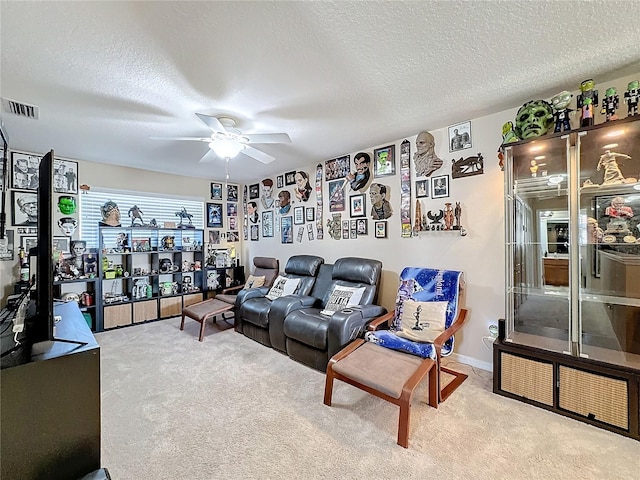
(226, 169)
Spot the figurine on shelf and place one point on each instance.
(631, 97)
(612, 173)
(457, 213)
(610, 104)
(182, 214)
(594, 232)
(136, 214)
(122, 240)
(435, 220)
(560, 103)
(587, 100)
(618, 209)
(448, 216)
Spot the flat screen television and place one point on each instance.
(40, 326)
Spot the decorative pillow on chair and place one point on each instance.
(422, 321)
(254, 282)
(282, 286)
(342, 297)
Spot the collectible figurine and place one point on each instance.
(587, 99)
(448, 216)
(631, 97)
(182, 214)
(534, 119)
(610, 104)
(612, 173)
(110, 214)
(136, 214)
(508, 133)
(560, 103)
(617, 208)
(457, 212)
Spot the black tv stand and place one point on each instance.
(50, 412)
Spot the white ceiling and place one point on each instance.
(338, 77)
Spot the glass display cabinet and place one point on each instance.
(570, 341)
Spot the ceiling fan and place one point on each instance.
(226, 141)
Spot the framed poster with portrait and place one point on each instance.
(440, 186)
(384, 161)
(337, 167)
(214, 215)
(357, 206)
(65, 176)
(280, 181)
(362, 226)
(336, 196)
(24, 171)
(216, 191)
(254, 191)
(422, 188)
(27, 243)
(310, 214)
(6, 246)
(25, 208)
(290, 178)
(286, 230)
(61, 245)
(267, 223)
(232, 193)
(298, 215)
(214, 236)
(381, 229)
(460, 136)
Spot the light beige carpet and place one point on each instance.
(230, 408)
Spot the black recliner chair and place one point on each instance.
(295, 322)
(252, 315)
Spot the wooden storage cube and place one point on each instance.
(531, 379)
(145, 310)
(170, 307)
(117, 315)
(191, 298)
(594, 396)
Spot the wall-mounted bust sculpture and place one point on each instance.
(425, 158)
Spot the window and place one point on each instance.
(151, 206)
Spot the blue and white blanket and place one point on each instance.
(421, 285)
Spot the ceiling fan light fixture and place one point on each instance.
(226, 148)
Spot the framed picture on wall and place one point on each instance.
(61, 245)
(24, 208)
(460, 136)
(24, 171)
(65, 176)
(280, 181)
(290, 178)
(214, 215)
(216, 191)
(336, 196)
(27, 243)
(357, 205)
(286, 230)
(310, 214)
(255, 232)
(422, 188)
(267, 223)
(384, 161)
(232, 193)
(381, 229)
(362, 226)
(254, 191)
(440, 186)
(298, 216)
(6, 246)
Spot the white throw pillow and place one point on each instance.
(254, 282)
(342, 297)
(422, 321)
(283, 286)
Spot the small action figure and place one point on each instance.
(594, 232)
(610, 104)
(448, 216)
(587, 99)
(631, 97)
(560, 104)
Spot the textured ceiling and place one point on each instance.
(338, 77)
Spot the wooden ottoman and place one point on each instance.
(202, 311)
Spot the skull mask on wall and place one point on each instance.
(534, 119)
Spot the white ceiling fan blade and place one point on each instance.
(212, 122)
(268, 137)
(210, 156)
(258, 155)
(196, 139)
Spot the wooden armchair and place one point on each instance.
(391, 369)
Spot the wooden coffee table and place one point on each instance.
(202, 311)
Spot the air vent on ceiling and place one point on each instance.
(21, 109)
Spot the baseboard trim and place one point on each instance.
(474, 362)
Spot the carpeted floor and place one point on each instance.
(230, 408)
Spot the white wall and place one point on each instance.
(480, 255)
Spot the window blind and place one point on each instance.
(161, 208)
